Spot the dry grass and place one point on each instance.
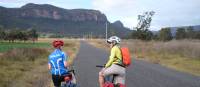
(184, 48)
(22, 54)
(27, 67)
(15, 63)
(100, 43)
(183, 55)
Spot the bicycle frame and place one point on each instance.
(111, 78)
(72, 82)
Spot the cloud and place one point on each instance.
(118, 10)
(127, 21)
(68, 4)
(168, 12)
(19, 3)
(114, 7)
(108, 5)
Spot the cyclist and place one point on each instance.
(114, 64)
(57, 63)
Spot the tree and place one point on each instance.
(180, 33)
(190, 33)
(2, 34)
(33, 35)
(22, 36)
(12, 35)
(143, 32)
(197, 35)
(155, 37)
(165, 34)
(134, 34)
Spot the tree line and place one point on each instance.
(15, 34)
(165, 34)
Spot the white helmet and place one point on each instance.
(114, 39)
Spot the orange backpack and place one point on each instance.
(126, 57)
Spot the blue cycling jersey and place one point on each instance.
(56, 59)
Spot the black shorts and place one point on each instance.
(57, 79)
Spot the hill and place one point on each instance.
(51, 19)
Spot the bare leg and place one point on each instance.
(101, 79)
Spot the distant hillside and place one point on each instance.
(50, 19)
(173, 29)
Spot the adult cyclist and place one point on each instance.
(57, 63)
(114, 64)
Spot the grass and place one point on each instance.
(5, 46)
(182, 55)
(17, 63)
(25, 64)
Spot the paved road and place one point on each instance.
(140, 74)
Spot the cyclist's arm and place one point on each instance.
(49, 66)
(66, 64)
(111, 58)
(65, 60)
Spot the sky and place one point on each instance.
(169, 13)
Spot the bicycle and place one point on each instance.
(110, 80)
(69, 79)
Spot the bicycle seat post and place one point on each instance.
(114, 78)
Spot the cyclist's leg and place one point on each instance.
(121, 75)
(56, 80)
(120, 79)
(113, 69)
(73, 78)
(116, 69)
(105, 72)
(101, 78)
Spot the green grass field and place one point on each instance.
(5, 46)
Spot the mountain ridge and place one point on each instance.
(49, 18)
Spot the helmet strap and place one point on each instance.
(114, 43)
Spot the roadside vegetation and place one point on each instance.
(182, 55)
(6, 46)
(25, 64)
(18, 35)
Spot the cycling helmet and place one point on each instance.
(113, 39)
(57, 43)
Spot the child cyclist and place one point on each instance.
(114, 64)
(57, 63)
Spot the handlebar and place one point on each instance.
(71, 69)
(100, 66)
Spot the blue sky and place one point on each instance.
(169, 13)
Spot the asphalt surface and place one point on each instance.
(139, 74)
